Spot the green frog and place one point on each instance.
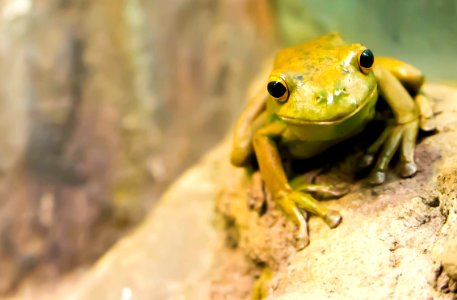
(319, 94)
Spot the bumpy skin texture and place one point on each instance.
(330, 96)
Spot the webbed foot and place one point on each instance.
(257, 196)
(321, 191)
(298, 199)
(325, 191)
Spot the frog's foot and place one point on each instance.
(324, 191)
(307, 202)
(321, 191)
(256, 193)
(401, 136)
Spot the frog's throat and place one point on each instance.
(373, 93)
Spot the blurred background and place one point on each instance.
(103, 103)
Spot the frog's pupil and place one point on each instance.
(276, 89)
(366, 58)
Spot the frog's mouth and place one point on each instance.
(339, 119)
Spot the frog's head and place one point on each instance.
(321, 81)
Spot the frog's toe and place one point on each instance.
(407, 169)
(428, 125)
(366, 161)
(340, 190)
(307, 202)
(325, 191)
(297, 216)
(332, 218)
(376, 178)
(302, 237)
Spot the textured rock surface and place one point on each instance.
(396, 240)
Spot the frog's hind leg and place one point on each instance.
(400, 85)
(412, 79)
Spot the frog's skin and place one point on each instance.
(330, 96)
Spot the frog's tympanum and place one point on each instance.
(319, 94)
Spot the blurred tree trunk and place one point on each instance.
(103, 104)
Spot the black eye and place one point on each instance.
(278, 90)
(366, 60)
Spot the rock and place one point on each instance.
(445, 251)
(449, 258)
(391, 245)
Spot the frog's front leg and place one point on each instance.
(252, 118)
(272, 170)
(401, 134)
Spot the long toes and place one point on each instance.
(376, 178)
(325, 191)
(407, 169)
(332, 218)
(366, 161)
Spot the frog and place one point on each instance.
(319, 94)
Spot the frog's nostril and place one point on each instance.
(321, 99)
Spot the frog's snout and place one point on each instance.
(325, 97)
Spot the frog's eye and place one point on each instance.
(365, 60)
(278, 90)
